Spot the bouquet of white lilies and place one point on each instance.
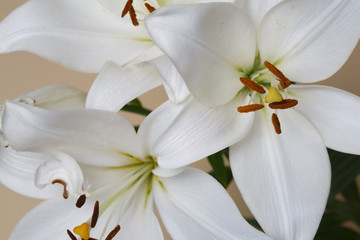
(237, 77)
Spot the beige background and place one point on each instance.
(21, 72)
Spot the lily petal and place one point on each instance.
(65, 169)
(193, 205)
(209, 41)
(18, 170)
(165, 172)
(51, 219)
(116, 85)
(284, 179)
(90, 136)
(257, 8)
(173, 83)
(310, 40)
(55, 97)
(81, 35)
(334, 112)
(195, 131)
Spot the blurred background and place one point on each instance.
(22, 72)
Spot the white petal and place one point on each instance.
(90, 136)
(284, 179)
(193, 205)
(115, 86)
(257, 8)
(310, 40)
(173, 83)
(208, 44)
(164, 172)
(80, 35)
(334, 112)
(136, 217)
(55, 97)
(51, 219)
(17, 172)
(64, 169)
(156, 123)
(198, 131)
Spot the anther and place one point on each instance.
(276, 123)
(81, 201)
(284, 81)
(133, 16)
(92, 238)
(252, 85)
(284, 104)
(250, 108)
(65, 193)
(95, 215)
(126, 8)
(113, 233)
(149, 7)
(130, 9)
(71, 235)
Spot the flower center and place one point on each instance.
(265, 88)
(138, 175)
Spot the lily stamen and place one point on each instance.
(113, 233)
(250, 108)
(126, 8)
(276, 123)
(130, 9)
(252, 85)
(284, 81)
(95, 215)
(81, 201)
(71, 235)
(65, 193)
(284, 104)
(149, 7)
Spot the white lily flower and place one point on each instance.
(18, 169)
(284, 177)
(92, 36)
(123, 176)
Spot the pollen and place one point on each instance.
(130, 9)
(284, 104)
(83, 231)
(284, 81)
(273, 96)
(250, 108)
(65, 193)
(113, 233)
(252, 85)
(149, 7)
(276, 123)
(95, 215)
(81, 201)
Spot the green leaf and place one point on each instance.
(351, 194)
(345, 167)
(337, 233)
(136, 109)
(254, 223)
(345, 210)
(229, 177)
(221, 172)
(135, 102)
